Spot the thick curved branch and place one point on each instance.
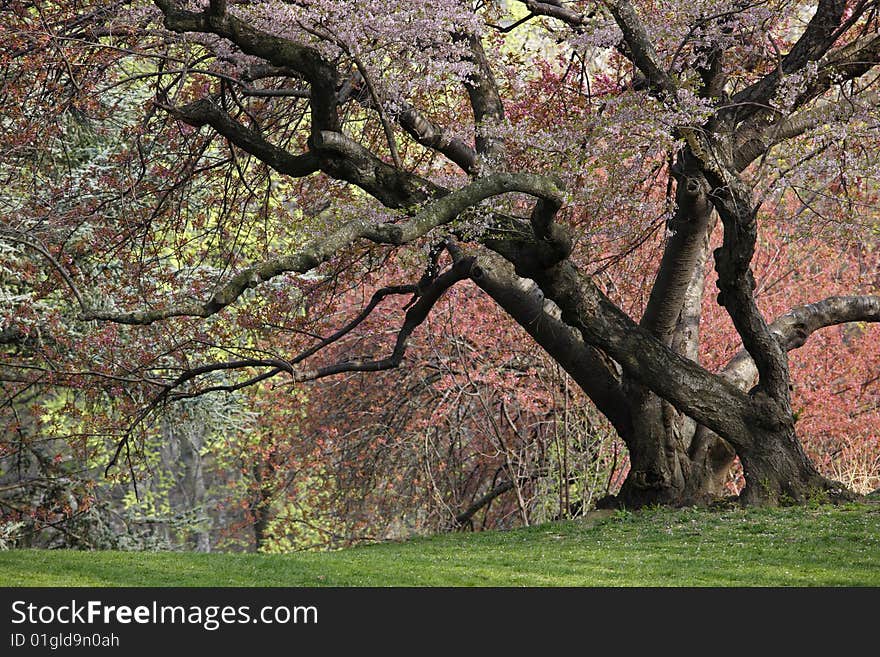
(206, 112)
(308, 62)
(791, 330)
(539, 244)
(691, 389)
(794, 328)
(345, 159)
(558, 11)
(437, 213)
(334, 153)
(525, 303)
(736, 286)
(372, 88)
(436, 138)
(752, 144)
(420, 128)
(846, 62)
(639, 48)
(818, 36)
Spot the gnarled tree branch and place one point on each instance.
(639, 47)
(736, 285)
(437, 213)
(794, 328)
(308, 62)
(791, 330)
(345, 159)
(848, 62)
(753, 143)
(684, 246)
(422, 129)
(525, 303)
(691, 389)
(206, 112)
(486, 104)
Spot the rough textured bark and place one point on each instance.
(673, 460)
(684, 248)
(661, 468)
(487, 107)
(261, 504)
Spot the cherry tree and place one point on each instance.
(186, 181)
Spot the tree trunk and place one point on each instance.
(261, 525)
(622, 368)
(657, 471)
(261, 504)
(776, 468)
(193, 484)
(777, 471)
(666, 467)
(673, 461)
(181, 447)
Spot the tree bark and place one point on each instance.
(662, 468)
(778, 472)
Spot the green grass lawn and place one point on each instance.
(824, 546)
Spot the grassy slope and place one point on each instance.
(784, 547)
